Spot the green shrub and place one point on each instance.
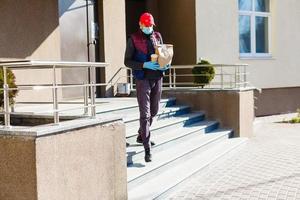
(207, 73)
(295, 120)
(11, 81)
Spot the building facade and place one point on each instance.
(63, 30)
(261, 33)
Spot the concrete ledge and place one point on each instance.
(53, 129)
(273, 101)
(30, 119)
(232, 108)
(78, 159)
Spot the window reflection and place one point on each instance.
(245, 5)
(262, 45)
(245, 34)
(262, 5)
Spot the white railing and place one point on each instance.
(178, 76)
(234, 76)
(53, 66)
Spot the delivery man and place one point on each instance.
(148, 76)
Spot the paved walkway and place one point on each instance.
(266, 167)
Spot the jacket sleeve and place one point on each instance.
(129, 54)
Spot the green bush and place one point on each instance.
(207, 73)
(296, 119)
(11, 81)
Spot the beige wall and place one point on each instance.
(217, 30)
(114, 34)
(233, 109)
(36, 76)
(85, 164)
(17, 168)
(82, 163)
(30, 30)
(36, 37)
(218, 41)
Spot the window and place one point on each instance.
(254, 28)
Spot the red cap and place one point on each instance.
(147, 19)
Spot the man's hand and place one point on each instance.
(164, 68)
(151, 65)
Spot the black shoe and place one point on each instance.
(148, 156)
(139, 140)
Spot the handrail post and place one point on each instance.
(230, 81)
(131, 79)
(174, 78)
(86, 98)
(170, 78)
(245, 75)
(235, 77)
(239, 76)
(54, 95)
(222, 78)
(6, 99)
(92, 89)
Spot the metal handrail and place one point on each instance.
(45, 86)
(208, 65)
(239, 75)
(238, 80)
(53, 65)
(35, 64)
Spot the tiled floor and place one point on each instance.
(267, 167)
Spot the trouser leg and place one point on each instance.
(155, 96)
(143, 90)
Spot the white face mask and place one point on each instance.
(147, 30)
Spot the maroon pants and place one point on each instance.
(148, 96)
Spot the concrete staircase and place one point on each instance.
(186, 142)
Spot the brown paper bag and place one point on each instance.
(165, 54)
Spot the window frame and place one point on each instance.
(253, 14)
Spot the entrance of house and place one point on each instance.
(174, 19)
(78, 22)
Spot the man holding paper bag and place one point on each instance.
(141, 57)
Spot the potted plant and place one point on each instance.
(11, 81)
(203, 74)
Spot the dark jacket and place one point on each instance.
(138, 50)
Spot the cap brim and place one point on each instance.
(149, 24)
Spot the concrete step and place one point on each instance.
(163, 181)
(133, 115)
(165, 124)
(131, 106)
(171, 157)
(165, 140)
